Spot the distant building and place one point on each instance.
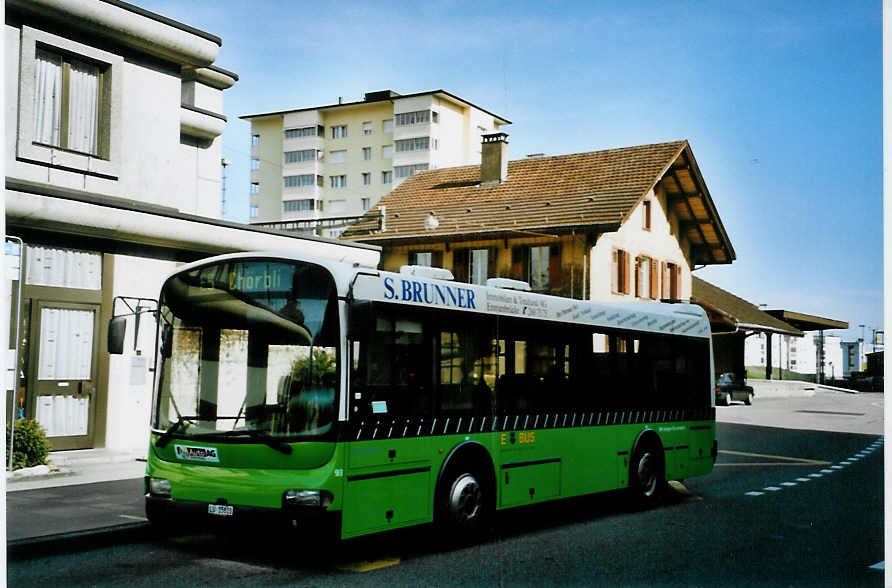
(338, 160)
(618, 224)
(798, 354)
(854, 357)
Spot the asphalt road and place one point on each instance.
(783, 507)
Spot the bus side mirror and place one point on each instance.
(117, 326)
(360, 320)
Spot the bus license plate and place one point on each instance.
(221, 510)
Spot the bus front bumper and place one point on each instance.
(187, 514)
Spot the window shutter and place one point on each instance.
(639, 263)
(654, 279)
(518, 262)
(555, 268)
(626, 273)
(460, 265)
(614, 273)
(491, 267)
(676, 283)
(664, 272)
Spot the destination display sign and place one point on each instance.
(407, 289)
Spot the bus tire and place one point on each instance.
(647, 474)
(465, 502)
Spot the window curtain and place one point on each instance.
(83, 107)
(47, 98)
(66, 344)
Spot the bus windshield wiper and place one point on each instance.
(262, 437)
(175, 428)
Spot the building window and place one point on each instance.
(367, 153)
(338, 181)
(404, 171)
(619, 273)
(387, 177)
(339, 132)
(415, 144)
(298, 156)
(540, 266)
(255, 187)
(413, 118)
(435, 116)
(338, 156)
(304, 132)
(645, 209)
(366, 179)
(671, 286)
(426, 258)
(387, 125)
(646, 277)
(474, 265)
(366, 203)
(255, 140)
(254, 211)
(367, 128)
(337, 205)
(297, 205)
(299, 181)
(387, 152)
(67, 102)
(255, 164)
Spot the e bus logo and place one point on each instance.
(197, 453)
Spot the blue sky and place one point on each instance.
(781, 102)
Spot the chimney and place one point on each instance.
(494, 164)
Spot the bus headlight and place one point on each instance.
(159, 487)
(297, 498)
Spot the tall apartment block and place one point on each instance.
(338, 160)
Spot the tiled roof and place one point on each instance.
(746, 314)
(598, 188)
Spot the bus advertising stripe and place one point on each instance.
(388, 474)
(521, 464)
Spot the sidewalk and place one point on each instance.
(85, 497)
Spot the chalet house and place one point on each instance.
(606, 225)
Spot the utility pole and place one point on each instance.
(224, 163)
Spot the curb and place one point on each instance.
(75, 541)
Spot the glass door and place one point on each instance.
(64, 352)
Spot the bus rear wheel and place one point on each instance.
(647, 478)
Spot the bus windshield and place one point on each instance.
(248, 347)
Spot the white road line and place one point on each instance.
(772, 489)
(788, 484)
(816, 475)
(754, 494)
(879, 565)
(803, 479)
(836, 467)
(826, 471)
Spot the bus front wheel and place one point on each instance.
(647, 477)
(465, 503)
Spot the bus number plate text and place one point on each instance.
(220, 510)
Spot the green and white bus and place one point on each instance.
(305, 391)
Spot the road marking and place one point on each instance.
(754, 493)
(368, 566)
(879, 565)
(816, 475)
(798, 460)
(826, 471)
(836, 467)
(682, 489)
(803, 479)
(134, 518)
(788, 484)
(772, 489)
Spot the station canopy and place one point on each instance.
(728, 313)
(807, 322)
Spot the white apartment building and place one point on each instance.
(113, 179)
(338, 160)
(796, 354)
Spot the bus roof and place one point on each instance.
(376, 285)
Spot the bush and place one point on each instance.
(31, 447)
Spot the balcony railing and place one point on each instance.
(312, 224)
